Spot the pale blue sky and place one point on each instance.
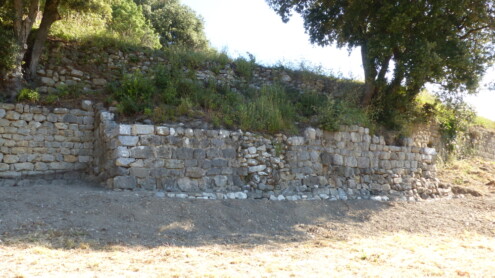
(241, 26)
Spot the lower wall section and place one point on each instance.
(349, 164)
(37, 140)
(195, 163)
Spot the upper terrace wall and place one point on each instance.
(92, 69)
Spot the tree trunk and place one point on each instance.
(50, 15)
(23, 24)
(369, 77)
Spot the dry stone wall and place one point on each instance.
(38, 140)
(217, 164)
(91, 69)
(213, 164)
(483, 143)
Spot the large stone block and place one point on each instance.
(128, 140)
(11, 159)
(174, 164)
(195, 172)
(26, 166)
(124, 182)
(143, 129)
(141, 152)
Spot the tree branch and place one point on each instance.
(473, 31)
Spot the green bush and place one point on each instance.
(269, 111)
(454, 120)
(244, 67)
(8, 48)
(334, 113)
(134, 93)
(28, 95)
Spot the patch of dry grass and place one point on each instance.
(473, 173)
(386, 255)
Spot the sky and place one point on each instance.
(250, 26)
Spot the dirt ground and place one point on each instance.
(80, 230)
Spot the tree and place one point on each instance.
(404, 44)
(21, 16)
(176, 24)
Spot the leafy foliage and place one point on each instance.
(28, 95)
(269, 111)
(7, 49)
(335, 113)
(176, 24)
(442, 41)
(129, 22)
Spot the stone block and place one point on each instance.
(26, 166)
(229, 153)
(142, 129)
(12, 115)
(124, 182)
(164, 152)
(99, 82)
(141, 152)
(174, 164)
(195, 172)
(220, 181)
(70, 158)
(258, 168)
(162, 130)
(124, 129)
(338, 160)
(61, 126)
(128, 140)
(310, 133)
(85, 159)
(220, 163)
(184, 153)
(295, 141)
(140, 172)
(199, 154)
(10, 159)
(40, 166)
(124, 162)
(61, 166)
(187, 185)
(47, 81)
(76, 73)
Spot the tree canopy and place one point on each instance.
(176, 24)
(148, 23)
(404, 44)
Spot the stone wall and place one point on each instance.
(215, 164)
(37, 140)
(91, 69)
(483, 143)
(196, 163)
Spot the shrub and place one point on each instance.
(334, 113)
(7, 49)
(244, 67)
(134, 93)
(28, 95)
(269, 111)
